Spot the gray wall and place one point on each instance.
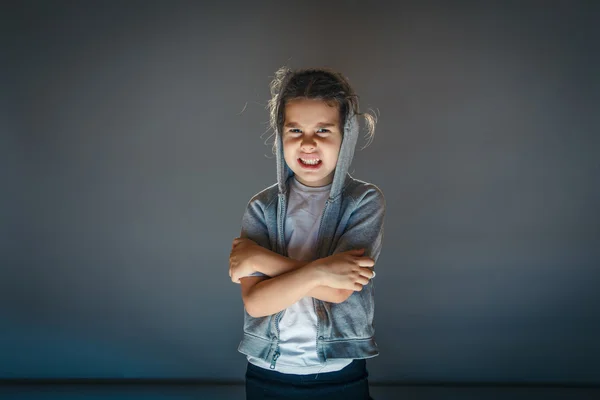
(127, 163)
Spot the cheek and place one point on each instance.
(287, 143)
(287, 152)
(336, 147)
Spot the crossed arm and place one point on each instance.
(289, 280)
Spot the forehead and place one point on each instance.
(311, 111)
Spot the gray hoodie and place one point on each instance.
(352, 219)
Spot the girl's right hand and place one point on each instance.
(347, 270)
(241, 258)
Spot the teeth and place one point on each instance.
(310, 162)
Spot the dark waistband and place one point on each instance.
(356, 370)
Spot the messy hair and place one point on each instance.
(314, 83)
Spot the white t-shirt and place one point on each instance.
(298, 326)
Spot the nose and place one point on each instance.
(308, 143)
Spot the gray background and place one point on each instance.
(127, 162)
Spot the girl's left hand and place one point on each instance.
(241, 257)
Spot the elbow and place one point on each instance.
(252, 308)
(255, 303)
(254, 313)
(249, 307)
(251, 312)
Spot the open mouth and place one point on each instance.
(310, 163)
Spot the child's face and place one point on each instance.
(311, 132)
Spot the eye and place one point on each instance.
(295, 130)
(323, 131)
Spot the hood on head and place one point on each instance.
(349, 139)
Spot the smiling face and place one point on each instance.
(311, 140)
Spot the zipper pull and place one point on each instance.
(275, 357)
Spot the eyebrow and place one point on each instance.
(321, 124)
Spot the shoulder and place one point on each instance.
(265, 198)
(361, 192)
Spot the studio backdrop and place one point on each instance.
(133, 135)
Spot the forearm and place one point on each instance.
(274, 264)
(270, 296)
(329, 294)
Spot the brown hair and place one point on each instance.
(314, 83)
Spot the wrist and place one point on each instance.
(315, 272)
(256, 259)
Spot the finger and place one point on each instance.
(240, 242)
(357, 251)
(366, 272)
(358, 287)
(363, 280)
(365, 262)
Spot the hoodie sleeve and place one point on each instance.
(254, 227)
(365, 225)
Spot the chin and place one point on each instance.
(313, 180)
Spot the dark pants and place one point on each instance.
(349, 383)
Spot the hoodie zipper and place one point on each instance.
(277, 353)
(319, 235)
(280, 314)
(318, 249)
(275, 357)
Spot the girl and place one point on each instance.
(307, 249)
